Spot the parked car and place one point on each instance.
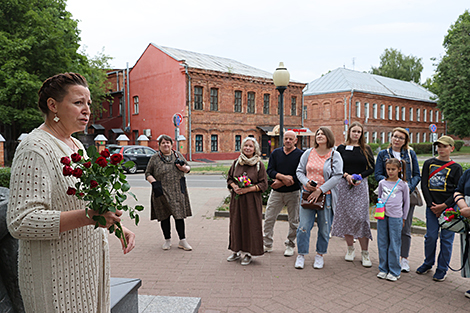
(140, 155)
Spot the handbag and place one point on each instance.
(415, 198)
(380, 207)
(319, 204)
(457, 225)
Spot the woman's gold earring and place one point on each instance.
(56, 118)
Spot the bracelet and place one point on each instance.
(257, 188)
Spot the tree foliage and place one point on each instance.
(452, 77)
(38, 39)
(395, 64)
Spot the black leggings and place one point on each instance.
(166, 228)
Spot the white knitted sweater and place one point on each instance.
(58, 272)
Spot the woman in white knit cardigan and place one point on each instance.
(63, 259)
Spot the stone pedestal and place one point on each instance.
(125, 295)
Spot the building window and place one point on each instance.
(430, 116)
(121, 106)
(305, 112)
(238, 101)
(374, 110)
(199, 143)
(424, 137)
(374, 137)
(250, 108)
(389, 137)
(417, 137)
(265, 104)
(358, 109)
(238, 142)
(418, 118)
(403, 113)
(293, 108)
(136, 105)
(382, 137)
(411, 114)
(366, 110)
(397, 113)
(411, 137)
(425, 119)
(437, 116)
(367, 137)
(214, 99)
(382, 111)
(197, 98)
(214, 146)
(390, 113)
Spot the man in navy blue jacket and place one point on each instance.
(286, 191)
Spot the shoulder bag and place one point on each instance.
(415, 196)
(380, 207)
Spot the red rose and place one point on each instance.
(87, 164)
(67, 171)
(105, 153)
(65, 161)
(116, 158)
(76, 157)
(77, 172)
(71, 191)
(101, 161)
(93, 184)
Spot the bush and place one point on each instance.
(422, 147)
(375, 148)
(458, 144)
(373, 184)
(5, 177)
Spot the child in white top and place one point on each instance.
(394, 190)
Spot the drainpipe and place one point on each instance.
(302, 109)
(349, 119)
(128, 100)
(345, 131)
(190, 154)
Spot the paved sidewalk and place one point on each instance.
(271, 283)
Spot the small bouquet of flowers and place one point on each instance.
(355, 178)
(102, 184)
(451, 213)
(243, 181)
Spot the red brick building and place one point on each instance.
(379, 103)
(221, 100)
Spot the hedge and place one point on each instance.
(5, 177)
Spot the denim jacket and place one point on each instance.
(413, 179)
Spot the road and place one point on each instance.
(209, 181)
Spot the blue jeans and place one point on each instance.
(430, 242)
(307, 219)
(389, 243)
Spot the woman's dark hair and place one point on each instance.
(399, 164)
(166, 137)
(330, 138)
(56, 87)
(361, 142)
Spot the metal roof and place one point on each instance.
(213, 63)
(342, 79)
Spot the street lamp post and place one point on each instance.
(281, 79)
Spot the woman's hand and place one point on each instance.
(465, 212)
(111, 217)
(130, 239)
(314, 195)
(183, 168)
(309, 187)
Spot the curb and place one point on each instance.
(418, 230)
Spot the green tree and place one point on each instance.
(395, 64)
(38, 39)
(453, 77)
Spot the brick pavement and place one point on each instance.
(271, 283)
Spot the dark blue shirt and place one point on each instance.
(464, 184)
(285, 164)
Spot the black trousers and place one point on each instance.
(166, 228)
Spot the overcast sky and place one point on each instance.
(311, 37)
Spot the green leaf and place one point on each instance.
(128, 164)
(139, 207)
(92, 152)
(117, 185)
(137, 219)
(126, 187)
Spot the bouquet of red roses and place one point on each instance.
(102, 184)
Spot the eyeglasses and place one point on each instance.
(398, 138)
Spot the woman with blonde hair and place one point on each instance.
(400, 150)
(246, 203)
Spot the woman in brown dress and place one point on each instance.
(165, 171)
(246, 204)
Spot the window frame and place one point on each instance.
(214, 106)
(199, 143)
(198, 98)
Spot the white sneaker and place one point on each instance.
(350, 254)
(289, 251)
(234, 257)
(366, 259)
(268, 249)
(246, 259)
(300, 261)
(382, 275)
(167, 244)
(184, 245)
(405, 265)
(390, 277)
(318, 261)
